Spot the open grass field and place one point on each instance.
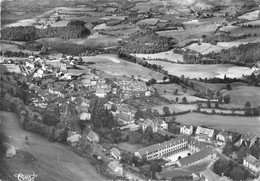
(204, 71)
(12, 68)
(250, 16)
(40, 156)
(192, 33)
(113, 65)
(151, 21)
(169, 55)
(94, 40)
(206, 48)
(129, 147)
(60, 23)
(241, 94)
(233, 123)
(176, 107)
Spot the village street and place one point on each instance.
(52, 161)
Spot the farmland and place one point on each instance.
(169, 55)
(204, 71)
(233, 123)
(254, 15)
(205, 48)
(111, 64)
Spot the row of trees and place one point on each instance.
(74, 29)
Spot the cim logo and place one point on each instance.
(25, 177)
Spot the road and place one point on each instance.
(210, 175)
(53, 161)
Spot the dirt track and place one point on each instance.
(46, 166)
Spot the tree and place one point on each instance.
(220, 100)
(184, 100)
(228, 87)
(156, 112)
(221, 166)
(179, 157)
(216, 105)
(166, 110)
(256, 111)
(248, 111)
(175, 92)
(228, 149)
(148, 130)
(226, 98)
(176, 99)
(237, 173)
(218, 93)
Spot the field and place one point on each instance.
(206, 48)
(129, 147)
(111, 64)
(241, 94)
(94, 40)
(233, 123)
(49, 161)
(250, 16)
(12, 68)
(176, 107)
(151, 21)
(204, 71)
(191, 33)
(60, 23)
(169, 55)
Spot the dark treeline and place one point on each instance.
(74, 29)
(243, 55)
(224, 37)
(147, 41)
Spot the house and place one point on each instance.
(74, 139)
(85, 116)
(205, 154)
(249, 139)
(164, 149)
(100, 92)
(224, 136)
(252, 164)
(116, 168)
(11, 151)
(186, 129)
(90, 135)
(151, 123)
(162, 125)
(126, 118)
(115, 153)
(196, 146)
(204, 134)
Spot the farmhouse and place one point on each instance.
(90, 135)
(126, 118)
(204, 134)
(115, 153)
(100, 92)
(116, 168)
(164, 149)
(186, 129)
(74, 139)
(223, 136)
(249, 139)
(252, 164)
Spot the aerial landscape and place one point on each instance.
(95, 90)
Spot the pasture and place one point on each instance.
(251, 16)
(206, 48)
(60, 23)
(238, 124)
(191, 33)
(241, 94)
(204, 71)
(150, 21)
(9, 47)
(168, 55)
(113, 65)
(176, 108)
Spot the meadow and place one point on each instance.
(250, 16)
(204, 71)
(168, 55)
(113, 65)
(239, 124)
(205, 48)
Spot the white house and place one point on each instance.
(204, 134)
(115, 153)
(223, 136)
(116, 168)
(74, 139)
(186, 129)
(100, 92)
(252, 164)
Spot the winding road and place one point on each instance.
(52, 161)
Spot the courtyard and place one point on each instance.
(175, 157)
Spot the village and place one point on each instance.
(135, 138)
